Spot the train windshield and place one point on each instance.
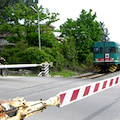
(112, 50)
(101, 50)
(96, 50)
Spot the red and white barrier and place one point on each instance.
(75, 94)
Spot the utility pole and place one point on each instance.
(37, 11)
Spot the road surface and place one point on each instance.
(101, 106)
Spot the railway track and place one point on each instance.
(93, 75)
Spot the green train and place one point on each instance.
(106, 56)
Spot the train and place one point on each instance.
(106, 56)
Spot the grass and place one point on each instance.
(63, 73)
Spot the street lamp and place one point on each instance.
(38, 26)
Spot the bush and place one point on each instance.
(35, 55)
(13, 55)
(30, 55)
(63, 56)
(88, 63)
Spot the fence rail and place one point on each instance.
(43, 72)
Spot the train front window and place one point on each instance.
(112, 50)
(96, 50)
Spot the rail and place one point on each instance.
(93, 75)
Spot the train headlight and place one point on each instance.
(96, 59)
(112, 59)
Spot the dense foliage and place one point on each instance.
(74, 49)
(85, 30)
(6, 3)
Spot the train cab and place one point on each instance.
(106, 56)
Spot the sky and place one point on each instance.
(107, 11)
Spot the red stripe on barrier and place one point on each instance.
(104, 84)
(111, 82)
(96, 87)
(117, 79)
(87, 89)
(62, 96)
(75, 94)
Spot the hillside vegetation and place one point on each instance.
(72, 52)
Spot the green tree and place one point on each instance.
(30, 2)
(85, 30)
(48, 37)
(13, 25)
(68, 48)
(35, 55)
(6, 3)
(28, 29)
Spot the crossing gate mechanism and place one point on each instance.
(19, 109)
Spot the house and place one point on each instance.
(4, 42)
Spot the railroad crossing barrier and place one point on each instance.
(75, 94)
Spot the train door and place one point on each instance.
(105, 56)
(106, 52)
(111, 56)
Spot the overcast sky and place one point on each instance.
(108, 11)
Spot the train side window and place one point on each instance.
(101, 50)
(112, 50)
(96, 50)
(107, 50)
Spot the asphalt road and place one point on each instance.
(101, 106)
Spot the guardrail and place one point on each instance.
(44, 70)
